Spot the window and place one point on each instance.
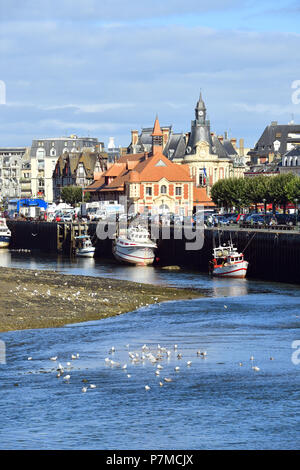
(163, 189)
(52, 152)
(148, 191)
(178, 191)
(201, 179)
(161, 163)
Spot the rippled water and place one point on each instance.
(213, 404)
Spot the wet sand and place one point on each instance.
(43, 299)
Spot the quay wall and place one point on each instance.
(272, 255)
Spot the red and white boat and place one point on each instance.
(134, 246)
(227, 262)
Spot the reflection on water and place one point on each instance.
(215, 287)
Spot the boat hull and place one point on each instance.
(238, 270)
(139, 256)
(4, 241)
(87, 253)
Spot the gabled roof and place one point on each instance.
(272, 133)
(148, 169)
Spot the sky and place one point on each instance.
(102, 68)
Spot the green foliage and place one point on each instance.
(241, 192)
(73, 194)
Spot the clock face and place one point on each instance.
(200, 113)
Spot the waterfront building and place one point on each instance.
(77, 169)
(147, 179)
(11, 160)
(44, 155)
(290, 162)
(25, 180)
(275, 141)
(208, 156)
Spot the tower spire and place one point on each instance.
(157, 138)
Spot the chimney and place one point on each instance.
(233, 141)
(221, 138)
(226, 135)
(242, 148)
(134, 137)
(166, 133)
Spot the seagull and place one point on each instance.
(128, 375)
(157, 372)
(125, 366)
(73, 356)
(84, 389)
(203, 354)
(225, 306)
(53, 358)
(161, 384)
(177, 369)
(92, 386)
(67, 377)
(189, 363)
(167, 379)
(29, 358)
(159, 366)
(147, 387)
(179, 356)
(255, 368)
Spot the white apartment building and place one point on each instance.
(44, 155)
(11, 160)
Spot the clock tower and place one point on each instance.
(200, 110)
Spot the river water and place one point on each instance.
(214, 403)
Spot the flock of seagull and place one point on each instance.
(146, 354)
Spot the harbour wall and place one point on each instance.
(272, 255)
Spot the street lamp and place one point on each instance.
(296, 202)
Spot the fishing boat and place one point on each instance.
(134, 246)
(84, 246)
(228, 262)
(5, 234)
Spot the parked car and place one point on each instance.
(66, 218)
(258, 219)
(286, 219)
(232, 218)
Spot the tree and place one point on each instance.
(279, 188)
(230, 192)
(73, 194)
(257, 189)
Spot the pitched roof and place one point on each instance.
(201, 197)
(147, 169)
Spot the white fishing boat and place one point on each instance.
(134, 246)
(5, 234)
(228, 262)
(84, 246)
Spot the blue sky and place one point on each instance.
(104, 67)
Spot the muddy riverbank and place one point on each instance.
(44, 299)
